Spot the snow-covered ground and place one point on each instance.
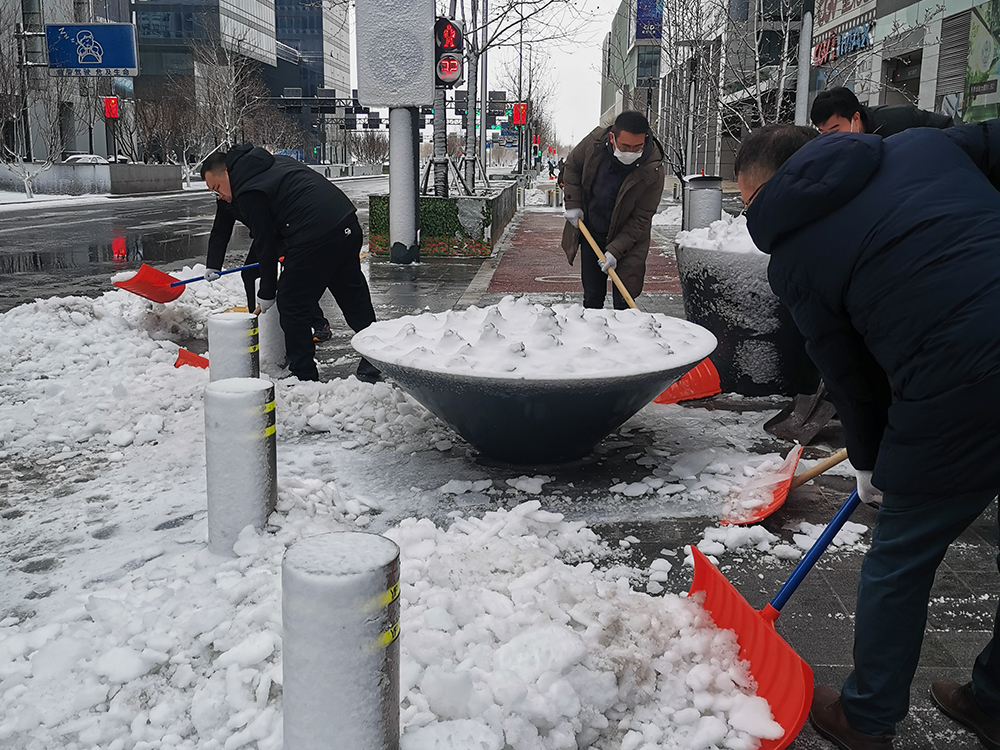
(521, 628)
(10, 199)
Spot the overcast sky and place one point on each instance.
(576, 74)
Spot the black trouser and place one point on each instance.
(595, 281)
(910, 538)
(334, 265)
(250, 276)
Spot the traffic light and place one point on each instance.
(449, 44)
(461, 102)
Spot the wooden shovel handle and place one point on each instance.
(819, 468)
(611, 272)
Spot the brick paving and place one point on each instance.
(533, 260)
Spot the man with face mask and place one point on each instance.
(613, 180)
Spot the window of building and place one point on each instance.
(647, 63)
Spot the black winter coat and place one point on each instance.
(889, 120)
(887, 254)
(287, 205)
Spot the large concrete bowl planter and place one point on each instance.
(527, 384)
(725, 288)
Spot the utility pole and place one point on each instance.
(440, 143)
(520, 91)
(804, 64)
(483, 93)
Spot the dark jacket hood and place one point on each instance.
(822, 176)
(246, 162)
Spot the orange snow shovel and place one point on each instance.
(780, 484)
(700, 382)
(783, 678)
(162, 287)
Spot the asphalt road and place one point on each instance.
(55, 250)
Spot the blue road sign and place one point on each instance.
(96, 49)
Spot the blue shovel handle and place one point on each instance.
(818, 548)
(221, 273)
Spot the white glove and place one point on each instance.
(264, 304)
(573, 215)
(608, 263)
(868, 492)
(211, 274)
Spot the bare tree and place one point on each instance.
(15, 116)
(521, 22)
(269, 126)
(370, 146)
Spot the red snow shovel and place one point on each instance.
(783, 678)
(700, 382)
(162, 287)
(780, 484)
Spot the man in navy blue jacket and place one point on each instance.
(887, 254)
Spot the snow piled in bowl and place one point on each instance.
(729, 233)
(519, 340)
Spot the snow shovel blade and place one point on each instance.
(803, 418)
(783, 678)
(700, 382)
(152, 284)
(777, 486)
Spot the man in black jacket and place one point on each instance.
(885, 252)
(837, 110)
(226, 216)
(289, 205)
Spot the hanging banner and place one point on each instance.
(649, 19)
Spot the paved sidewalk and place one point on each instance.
(818, 620)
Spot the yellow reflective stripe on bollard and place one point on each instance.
(252, 332)
(385, 640)
(269, 406)
(254, 348)
(268, 431)
(382, 600)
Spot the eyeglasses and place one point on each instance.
(748, 201)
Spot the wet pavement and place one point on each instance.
(49, 249)
(817, 621)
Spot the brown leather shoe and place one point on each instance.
(827, 716)
(958, 702)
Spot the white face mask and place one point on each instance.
(627, 157)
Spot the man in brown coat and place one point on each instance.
(613, 181)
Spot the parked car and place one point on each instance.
(85, 159)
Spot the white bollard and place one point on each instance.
(272, 341)
(240, 458)
(340, 646)
(233, 346)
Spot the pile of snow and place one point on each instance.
(670, 216)
(519, 629)
(717, 541)
(729, 234)
(517, 339)
(535, 648)
(536, 197)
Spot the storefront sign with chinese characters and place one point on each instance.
(838, 45)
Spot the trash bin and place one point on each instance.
(702, 201)
(725, 289)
